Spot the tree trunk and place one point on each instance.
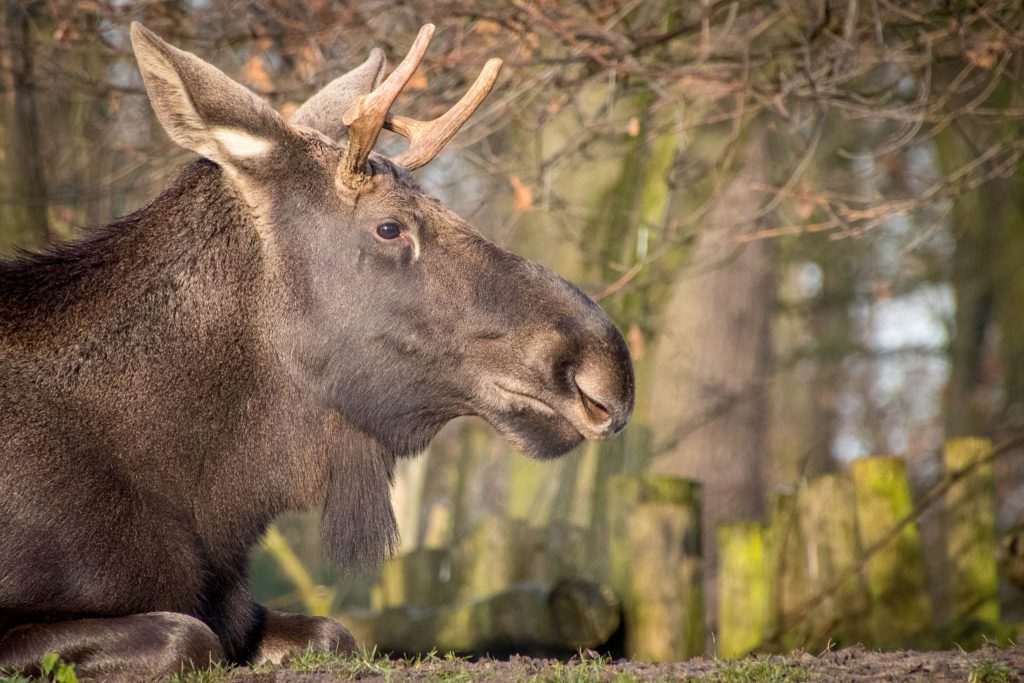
(24, 211)
(715, 351)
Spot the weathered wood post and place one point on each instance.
(655, 556)
(901, 613)
(827, 517)
(745, 591)
(971, 533)
(788, 562)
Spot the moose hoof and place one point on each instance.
(290, 635)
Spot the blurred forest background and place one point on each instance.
(807, 217)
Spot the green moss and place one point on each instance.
(745, 612)
(988, 672)
(971, 534)
(901, 610)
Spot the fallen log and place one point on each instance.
(564, 617)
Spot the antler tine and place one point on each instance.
(428, 138)
(366, 116)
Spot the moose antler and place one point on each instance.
(428, 138)
(369, 114)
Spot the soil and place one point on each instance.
(990, 664)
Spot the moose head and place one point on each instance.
(397, 312)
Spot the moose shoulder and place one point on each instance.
(289, 317)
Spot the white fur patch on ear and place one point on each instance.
(239, 144)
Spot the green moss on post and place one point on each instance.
(745, 610)
(788, 565)
(827, 512)
(655, 558)
(901, 613)
(971, 534)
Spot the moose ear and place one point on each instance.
(324, 110)
(200, 107)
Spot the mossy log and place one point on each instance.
(501, 552)
(420, 578)
(901, 613)
(655, 554)
(971, 534)
(565, 617)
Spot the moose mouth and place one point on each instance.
(546, 426)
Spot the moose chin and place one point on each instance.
(271, 333)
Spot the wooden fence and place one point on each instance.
(839, 561)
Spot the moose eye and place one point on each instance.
(389, 230)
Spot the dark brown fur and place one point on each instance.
(243, 346)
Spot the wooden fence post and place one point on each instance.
(655, 554)
(745, 591)
(901, 613)
(827, 511)
(971, 534)
(787, 561)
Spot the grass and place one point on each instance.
(214, 673)
(988, 672)
(769, 670)
(52, 667)
(587, 667)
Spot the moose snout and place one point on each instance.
(604, 383)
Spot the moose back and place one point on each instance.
(271, 333)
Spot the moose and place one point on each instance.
(272, 332)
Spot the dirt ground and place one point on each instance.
(989, 664)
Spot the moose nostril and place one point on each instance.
(604, 396)
(595, 411)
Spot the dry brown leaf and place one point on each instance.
(806, 201)
(309, 61)
(487, 27)
(985, 55)
(523, 51)
(523, 194)
(288, 109)
(256, 75)
(636, 343)
(418, 81)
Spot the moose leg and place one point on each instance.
(288, 635)
(131, 648)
